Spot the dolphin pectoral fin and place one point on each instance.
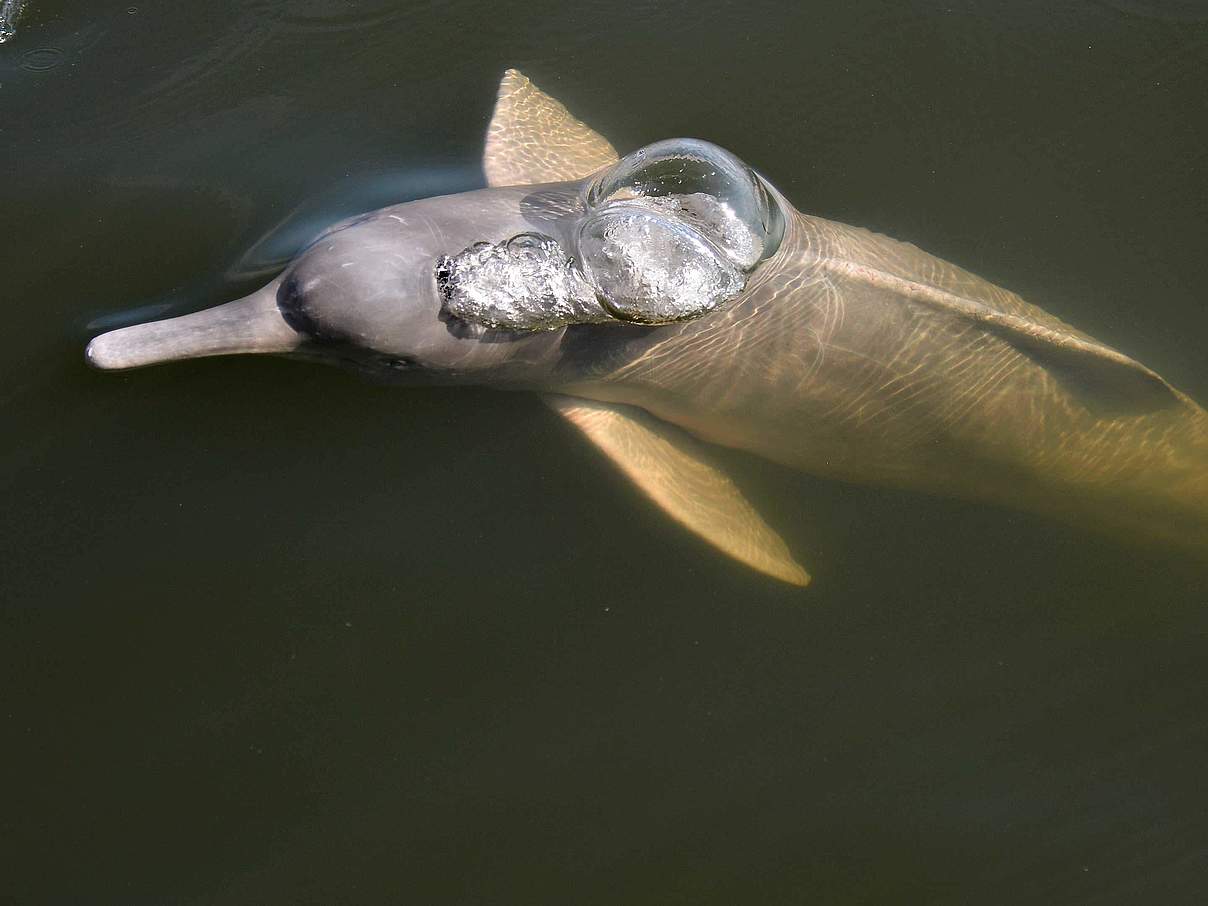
(533, 139)
(669, 469)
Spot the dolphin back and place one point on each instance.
(858, 357)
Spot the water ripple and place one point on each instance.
(43, 59)
(344, 198)
(331, 16)
(1163, 10)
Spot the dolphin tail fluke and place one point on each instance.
(669, 469)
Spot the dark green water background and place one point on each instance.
(272, 634)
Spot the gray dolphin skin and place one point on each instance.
(675, 296)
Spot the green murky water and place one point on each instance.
(273, 634)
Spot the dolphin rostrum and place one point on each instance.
(675, 296)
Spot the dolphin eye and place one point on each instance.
(674, 230)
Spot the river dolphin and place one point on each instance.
(675, 296)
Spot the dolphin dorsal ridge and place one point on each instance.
(534, 139)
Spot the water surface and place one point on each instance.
(273, 634)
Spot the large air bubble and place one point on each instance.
(674, 230)
(724, 197)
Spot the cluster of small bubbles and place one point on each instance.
(524, 283)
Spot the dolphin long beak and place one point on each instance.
(251, 324)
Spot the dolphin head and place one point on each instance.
(364, 294)
(480, 286)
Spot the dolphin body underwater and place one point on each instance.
(675, 294)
